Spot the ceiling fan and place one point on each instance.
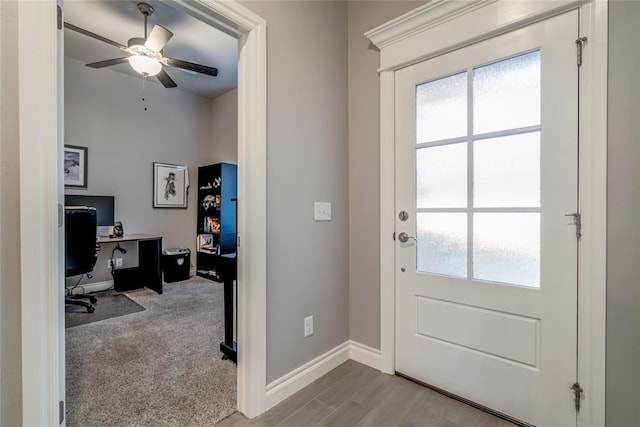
(145, 53)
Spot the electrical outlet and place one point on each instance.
(308, 326)
(118, 262)
(109, 264)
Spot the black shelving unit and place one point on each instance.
(216, 242)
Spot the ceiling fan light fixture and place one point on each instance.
(145, 65)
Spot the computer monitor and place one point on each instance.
(104, 210)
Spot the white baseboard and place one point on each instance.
(93, 287)
(364, 354)
(301, 377)
(296, 380)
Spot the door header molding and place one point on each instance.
(442, 26)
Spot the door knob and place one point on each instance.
(404, 237)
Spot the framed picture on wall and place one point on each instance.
(170, 185)
(75, 166)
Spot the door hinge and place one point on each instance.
(577, 221)
(59, 18)
(580, 42)
(60, 216)
(61, 411)
(577, 394)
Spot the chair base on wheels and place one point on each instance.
(77, 300)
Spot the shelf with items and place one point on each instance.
(216, 235)
(211, 201)
(209, 274)
(208, 243)
(211, 225)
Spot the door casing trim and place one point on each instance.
(442, 26)
(40, 176)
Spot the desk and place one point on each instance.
(147, 273)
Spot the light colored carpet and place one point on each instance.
(158, 367)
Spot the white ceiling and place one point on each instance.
(120, 20)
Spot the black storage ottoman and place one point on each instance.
(176, 263)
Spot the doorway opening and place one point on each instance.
(156, 356)
(40, 108)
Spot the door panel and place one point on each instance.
(486, 167)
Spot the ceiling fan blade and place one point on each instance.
(192, 66)
(107, 63)
(165, 79)
(93, 35)
(158, 38)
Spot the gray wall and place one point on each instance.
(307, 261)
(364, 167)
(10, 324)
(224, 127)
(104, 112)
(623, 228)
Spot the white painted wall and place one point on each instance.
(623, 228)
(364, 167)
(10, 324)
(307, 153)
(104, 111)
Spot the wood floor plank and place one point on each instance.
(437, 403)
(488, 420)
(309, 415)
(284, 409)
(394, 407)
(426, 420)
(348, 414)
(376, 391)
(337, 394)
(462, 414)
(235, 420)
(427, 411)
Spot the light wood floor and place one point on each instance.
(356, 395)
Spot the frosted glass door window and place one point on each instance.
(441, 109)
(506, 248)
(507, 171)
(506, 94)
(478, 173)
(442, 243)
(442, 176)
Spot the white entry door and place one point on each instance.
(486, 172)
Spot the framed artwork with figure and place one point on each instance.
(75, 166)
(170, 185)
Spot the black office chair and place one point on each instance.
(80, 249)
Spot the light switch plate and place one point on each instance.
(322, 211)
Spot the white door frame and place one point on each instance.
(445, 25)
(39, 181)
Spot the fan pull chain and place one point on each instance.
(144, 87)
